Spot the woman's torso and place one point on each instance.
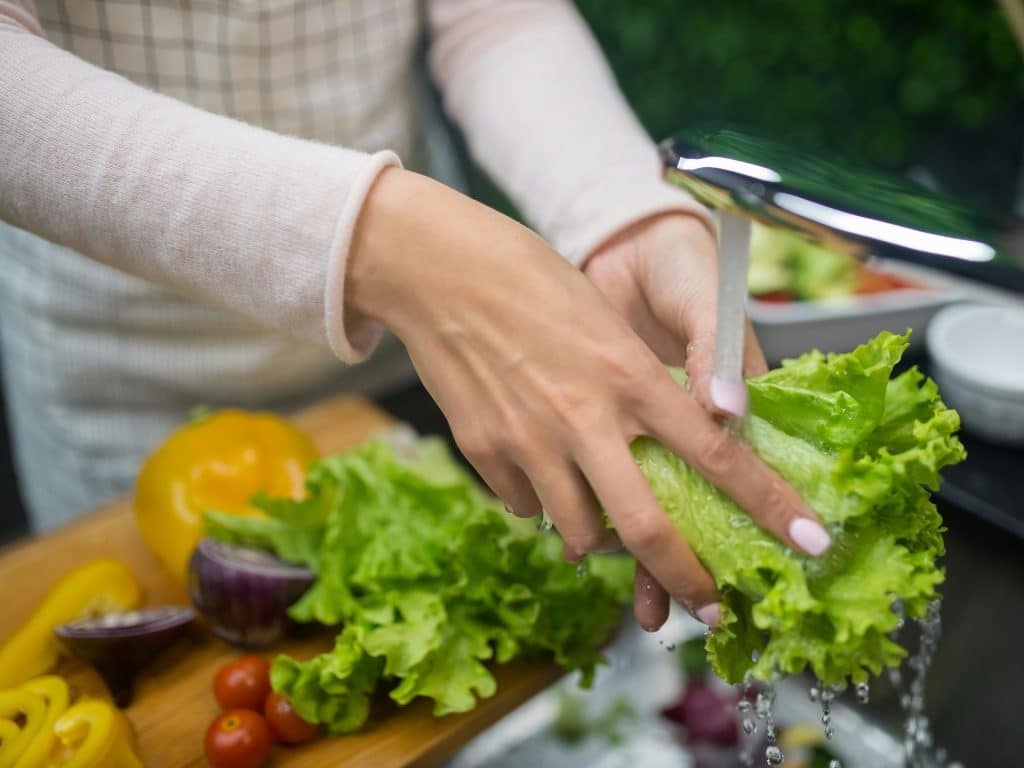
(98, 365)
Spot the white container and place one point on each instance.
(977, 357)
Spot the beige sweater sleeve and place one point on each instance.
(529, 86)
(242, 217)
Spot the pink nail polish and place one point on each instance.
(710, 614)
(809, 536)
(729, 396)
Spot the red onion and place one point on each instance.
(245, 593)
(118, 645)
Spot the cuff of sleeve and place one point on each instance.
(619, 200)
(354, 343)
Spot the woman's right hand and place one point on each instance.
(544, 385)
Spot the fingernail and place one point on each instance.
(729, 396)
(809, 536)
(710, 614)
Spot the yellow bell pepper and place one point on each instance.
(54, 693)
(38, 730)
(93, 589)
(26, 711)
(217, 462)
(95, 734)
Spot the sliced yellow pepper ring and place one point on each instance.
(97, 735)
(95, 588)
(54, 692)
(26, 711)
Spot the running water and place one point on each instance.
(762, 708)
(919, 749)
(581, 569)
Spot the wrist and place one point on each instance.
(421, 249)
(656, 234)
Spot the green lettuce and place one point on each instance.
(429, 579)
(864, 450)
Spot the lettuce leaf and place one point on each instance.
(430, 579)
(863, 449)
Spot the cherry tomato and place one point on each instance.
(243, 684)
(239, 738)
(285, 721)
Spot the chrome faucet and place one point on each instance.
(833, 201)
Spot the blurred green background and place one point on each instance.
(933, 85)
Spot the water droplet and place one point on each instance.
(828, 693)
(764, 704)
(749, 726)
(670, 647)
(581, 569)
(813, 694)
(770, 734)
(744, 705)
(773, 755)
(543, 524)
(834, 764)
(829, 733)
(755, 656)
(826, 719)
(863, 693)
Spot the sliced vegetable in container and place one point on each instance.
(245, 593)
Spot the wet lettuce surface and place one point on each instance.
(864, 449)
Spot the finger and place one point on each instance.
(573, 510)
(675, 419)
(644, 528)
(754, 363)
(505, 480)
(511, 486)
(722, 398)
(650, 600)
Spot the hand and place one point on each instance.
(544, 384)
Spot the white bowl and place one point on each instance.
(977, 354)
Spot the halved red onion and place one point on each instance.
(245, 593)
(118, 645)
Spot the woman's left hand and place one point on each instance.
(662, 276)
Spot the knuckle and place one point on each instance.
(776, 506)
(576, 409)
(476, 447)
(718, 453)
(516, 433)
(643, 534)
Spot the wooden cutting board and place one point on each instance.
(174, 702)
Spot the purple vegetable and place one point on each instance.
(708, 716)
(245, 593)
(118, 645)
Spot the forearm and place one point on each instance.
(543, 116)
(243, 217)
